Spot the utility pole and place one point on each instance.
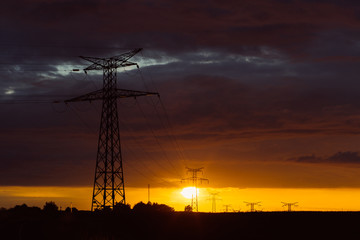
(252, 205)
(148, 193)
(289, 205)
(195, 179)
(109, 186)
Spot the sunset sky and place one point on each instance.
(263, 94)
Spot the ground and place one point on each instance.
(179, 225)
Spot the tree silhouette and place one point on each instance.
(162, 208)
(188, 208)
(68, 209)
(50, 207)
(121, 208)
(20, 207)
(140, 207)
(152, 207)
(25, 210)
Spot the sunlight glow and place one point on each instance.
(189, 192)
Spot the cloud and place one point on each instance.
(347, 157)
(223, 105)
(175, 26)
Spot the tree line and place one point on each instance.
(52, 208)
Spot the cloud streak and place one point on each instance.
(347, 157)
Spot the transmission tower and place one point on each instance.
(227, 206)
(195, 179)
(213, 199)
(289, 205)
(109, 186)
(252, 205)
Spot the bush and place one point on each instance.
(121, 208)
(25, 210)
(188, 208)
(154, 207)
(50, 207)
(69, 210)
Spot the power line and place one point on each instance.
(32, 99)
(141, 147)
(63, 46)
(168, 128)
(180, 150)
(40, 64)
(157, 140)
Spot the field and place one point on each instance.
(179, 225)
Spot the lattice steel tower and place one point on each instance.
(109, 186)
(289, 205)
(195, 179)
(252, 205)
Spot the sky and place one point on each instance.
(261, 93)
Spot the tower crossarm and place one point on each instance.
(123, 93)
(194, 169)
(96, 95)
(118, 93)
(112, 62)
(126, 56)
(98, 63)
(204, 179)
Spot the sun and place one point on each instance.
(189, 192)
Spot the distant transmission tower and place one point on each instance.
(227, 207)
(109, 179)
(289, 205)
(252, 205)
(195, 179)
(213, 199)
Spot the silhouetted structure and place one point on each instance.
(227, 206)
(252, 205)
(194, 179)
(289, 205)
(213, 199)
(109, 180)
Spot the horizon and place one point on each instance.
(270, 199)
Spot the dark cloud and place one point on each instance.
(227, 105)
(174, 25)
(338, 158)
